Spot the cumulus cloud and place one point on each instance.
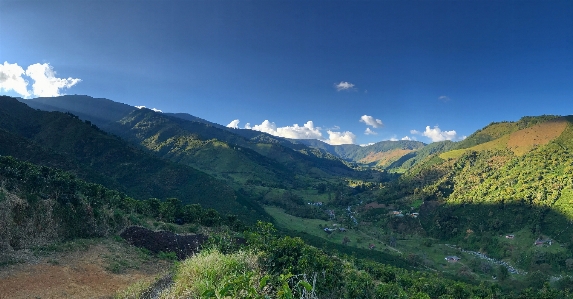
(370, 132)
(306, 131)
(371, 121)
(343, 86)
(337, 138)
(233, 124)
(408, 138)
(46, 84)
(436, 134)
(11, 79)
(444, 98)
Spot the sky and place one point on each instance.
(339, 71)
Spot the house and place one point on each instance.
(329, 230)
(371, 246)
(342, 229)
(540, 242)
(510, 236)
(452, 258)
(415, 215)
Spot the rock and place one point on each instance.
(164, 241)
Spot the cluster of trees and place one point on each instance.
(51, 200)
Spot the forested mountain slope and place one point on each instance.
(521, 179)
(243, 155)
(64, 141)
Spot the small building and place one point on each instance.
(540, 242)
(371, 246)
(342, 229)
(452, 258)
(329, 230)
(510, 236)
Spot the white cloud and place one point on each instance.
(370, 132)
(408, 138)
(11, 79)
(436, 134)
(368, 144)
(306, 131)
(46, 84)
(234, 124)
(343, 86)
(337, 138)
(444, 98)
(371, 121)
(154, 109)
(393, 139)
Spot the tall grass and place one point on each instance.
(214, 274)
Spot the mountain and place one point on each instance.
(237, 155)
(62, 140)
(389, 155)
(508, 177)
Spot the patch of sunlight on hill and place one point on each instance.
(520, 142)
(497, 144)
(385, 158)
(523, 141)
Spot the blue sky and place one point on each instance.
(412, 65)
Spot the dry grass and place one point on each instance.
(384, 158)
(522, 141)
(79, 273)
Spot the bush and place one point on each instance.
(212, 273)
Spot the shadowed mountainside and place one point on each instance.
(64, 141)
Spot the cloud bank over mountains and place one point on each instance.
(306, 131)
(46, 84)
(310, 131)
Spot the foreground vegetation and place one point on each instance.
(285, 267)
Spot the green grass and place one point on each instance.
(211, 272)
(314, 227)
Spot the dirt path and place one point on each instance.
(79, 273)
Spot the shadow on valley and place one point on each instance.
(535, 238)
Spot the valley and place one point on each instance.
(493, 210)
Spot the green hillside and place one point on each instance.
(491, 189)
(62, 140)
(247, 156)
(220, 152)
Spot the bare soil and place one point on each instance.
(97, 270)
